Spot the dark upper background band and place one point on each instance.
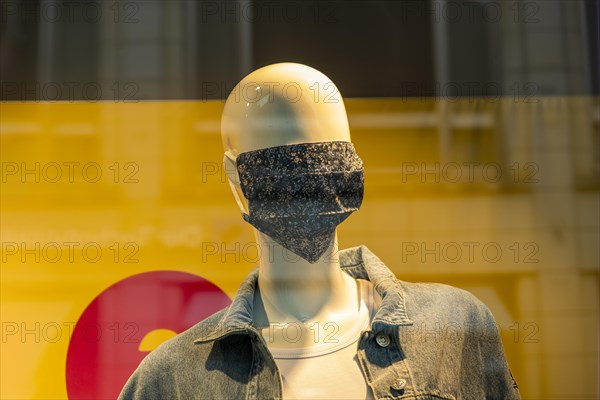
(188, 49)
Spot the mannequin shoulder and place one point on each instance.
(161, 370)
(184, 343)
(440, 301)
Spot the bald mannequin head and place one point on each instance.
(283, 104)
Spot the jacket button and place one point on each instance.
(383, 340)
(399, 384)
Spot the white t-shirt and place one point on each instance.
(330, 369)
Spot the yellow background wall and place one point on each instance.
(163, 199)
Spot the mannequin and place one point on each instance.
(295, 176)
(283, 104)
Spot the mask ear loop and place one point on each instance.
(239, 202)
(235, 186)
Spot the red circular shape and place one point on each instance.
(103, 349)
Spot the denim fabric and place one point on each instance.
(427, 341)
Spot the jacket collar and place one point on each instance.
(359, 262)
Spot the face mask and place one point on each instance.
(298, 194)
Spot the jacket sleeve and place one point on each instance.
(495, 380)
(150, 381)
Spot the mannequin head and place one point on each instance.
(276, 105)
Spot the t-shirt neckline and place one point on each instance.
(350, 337)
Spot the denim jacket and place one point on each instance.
(426, 341)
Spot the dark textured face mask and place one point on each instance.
(298, 194)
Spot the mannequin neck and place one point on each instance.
(294, 290)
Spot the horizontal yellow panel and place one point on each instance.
(96, 196)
